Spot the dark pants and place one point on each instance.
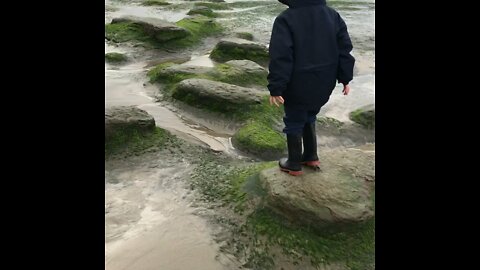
(295, 119)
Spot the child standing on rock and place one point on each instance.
(309, 51)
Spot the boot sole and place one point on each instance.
(294, 173)
(314, 163)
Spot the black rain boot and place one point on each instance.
(310, 157)
(292, 164)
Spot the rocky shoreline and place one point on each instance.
(264, 219)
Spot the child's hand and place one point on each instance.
(346, 89)
(275, 99)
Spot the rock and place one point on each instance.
(247, 74)
(364, 116)
(217, 91)
(239, 49)
(121, 119)
(202, 10)
(161, 30)
(176, 73)
(343, 192)
(172, 73)
(155, 3)
(115, 58)
(200, 26)
(244, 35)
(186, 69)
(248, 66)
(261, 140)
(334, 133)
(242, 73)
(328, 122)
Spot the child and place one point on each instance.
(309, 51)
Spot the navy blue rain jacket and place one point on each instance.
(309, 51)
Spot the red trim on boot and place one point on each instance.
(294, 173)
(313, 163)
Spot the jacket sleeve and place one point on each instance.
(281, 57)
(345, 60)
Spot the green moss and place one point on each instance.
(199, 27)
(133, 142)
(115, 57)
(233, 75)
(169, 79)
(244, 35)
(132, 31)
(203, 11)
(155, 74)
(226, 53)
(209, 103)
(352, 244)
(214, 6)
(364, 118)
(232, 185)
(155, 3)
(221, 73)
(260, 139)
(127, 31)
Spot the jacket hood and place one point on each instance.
(302, 3)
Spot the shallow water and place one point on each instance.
(149, 220)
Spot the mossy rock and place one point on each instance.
(198, 26)
(261, 140)
(216, 94)
(157, 73)
(156, 33)
(343, 191)
(134, 142)
(329, 122)
(115, 58)
(364, 116)
(155, 3)
(128, 32)
(202, 10)
(149, 30)
(248, 66)
(121, 118)
(237, 75)
(130, 130)
(237, 72)
(170, 73)
(239, 49)
(244, 35)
